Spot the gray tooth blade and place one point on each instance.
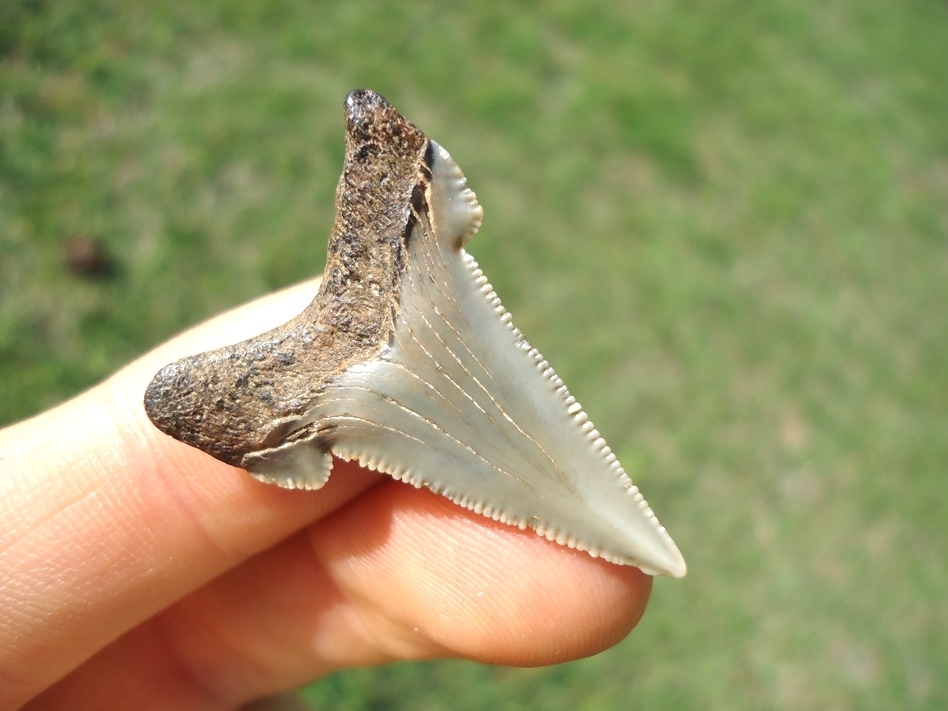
(462, 404)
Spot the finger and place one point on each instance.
(107, 521)
(397, 574)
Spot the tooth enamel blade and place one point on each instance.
(460, 403)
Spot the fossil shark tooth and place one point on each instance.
(407, 362)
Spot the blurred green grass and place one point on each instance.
(726, 224)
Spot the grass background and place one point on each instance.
(725, 223)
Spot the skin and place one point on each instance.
(138, 572)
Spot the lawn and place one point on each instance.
(724, 223)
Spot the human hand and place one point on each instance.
(137, 572)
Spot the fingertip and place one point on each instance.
(443, 581)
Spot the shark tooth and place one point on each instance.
(407, 362)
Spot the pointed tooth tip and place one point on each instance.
(661, 556)
(668, 561)
(679, 570)
(665, 561)
(672, 564)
